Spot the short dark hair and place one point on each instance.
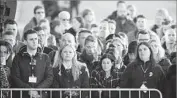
(112, 21)
(8, 33)
(132, 47)
(30, 31)
(143, 32)
(90, 38)
(37, 7)
(139, 16)
(37, 28)
(121, 1)
(84, 31)
(94, 25)
(9, 21)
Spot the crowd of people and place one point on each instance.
(119, 52)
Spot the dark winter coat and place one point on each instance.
(21, 70)
(99, 80)
(63, 79)
(165, 64)
(133, 77)
(171, 82)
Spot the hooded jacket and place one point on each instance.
(22, 69)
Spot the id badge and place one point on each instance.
(143, 86)
(32, 79)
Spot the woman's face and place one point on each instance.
(118, 47)
(104, 29)
(106, 64)
(170, 36)
(3, 55)
(67, 53)
(154, 47)
(76, 25)
(144, 53)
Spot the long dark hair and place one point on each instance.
(110, 56)
(151, 59)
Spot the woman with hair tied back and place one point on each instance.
(159, 55)
(70, 73)
(143, 73)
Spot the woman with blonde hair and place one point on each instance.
(70, 73)
(159, 54)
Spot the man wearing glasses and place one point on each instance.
(39, 13)
(64, 19)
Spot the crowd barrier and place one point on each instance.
(50, 90)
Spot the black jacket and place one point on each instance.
(171, 82)
(63, 79)
(21, 70)
(133, 77)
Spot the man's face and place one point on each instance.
(12, 28)
(82, 38)
(143, 38)
(170, 36)
(65, 19)
(122, 10)
(10, 39)
(95, 31)
(90, 48)
(132, 11)
(68, 39)
(141, 23)
(41, 37)
(104, 29)
(40, 14)
(32, 41)
(112, 28)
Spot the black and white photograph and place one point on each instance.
(88, 49)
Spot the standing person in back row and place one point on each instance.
(39, 13)
(31, 68)
(123, 24)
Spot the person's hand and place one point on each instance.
(34, 94)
